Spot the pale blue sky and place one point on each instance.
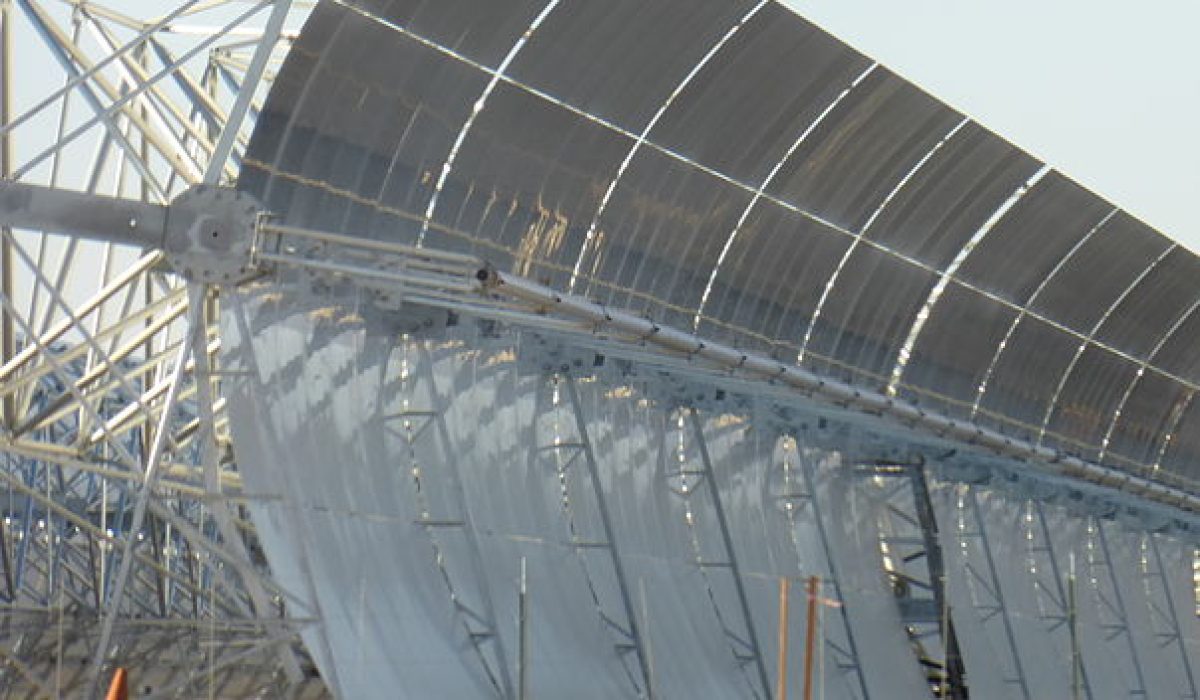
(1106, 91)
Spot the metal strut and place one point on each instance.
(1118, 608)
(835, 578)
(994, 589)
(1175, 636)
(727, 540)
(497, 670)
(1061, 599)
(954, 669)
(918, 546)
(585, 444)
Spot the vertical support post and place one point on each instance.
(649, 649)
(1072, 625)
(144, 145)
(782, 667)
(7, 563)
(810, 635)
(727, 539)
(944, 686)
(209, 462)
(523, 636)
(954, 672)
(102, 545)
(157, 542)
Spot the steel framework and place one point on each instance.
(125, 538)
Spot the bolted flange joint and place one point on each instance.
(210, 234)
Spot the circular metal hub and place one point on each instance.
(210, 231)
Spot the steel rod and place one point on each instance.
(149, 477)
(87, 307)
(523, 636)
(727, 540)
(618, 565)
(810, 634)
(90, 216)
(8, 342)
(79, 78)
(781, 682)
(1119, 599)
(241, 104)
(998, 592)
(118, 105)
(57, 41)
(211, 470)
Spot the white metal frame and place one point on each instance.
(118, 493)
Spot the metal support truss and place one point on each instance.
(467, 284)
(849, 655)
(746, 647)
(421, 275)
(629, 632)
(1101, 568)
(989, 597)
(1162, 605)
(471, 599)
(118, 492)
(1056, 599)
(912, 559)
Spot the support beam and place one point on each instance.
(992, 582)
(8, 342)
(954, 670)
(1167, 597)
(1117, 605)
(806, 471)
(56, 40)
(149, 478)
(597, 318)
(589, 455)
(1063, 595)
(262, 53)
(212, 477)
(90, 216)
(727, 540)
(104, 113)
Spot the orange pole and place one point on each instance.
(119, 688)
(781, 682)
(810, 636)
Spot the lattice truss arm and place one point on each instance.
(124, 538)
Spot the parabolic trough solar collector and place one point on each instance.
(722, 167)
